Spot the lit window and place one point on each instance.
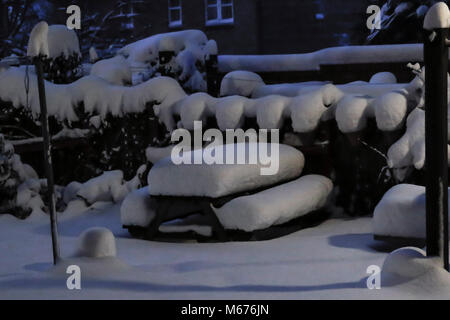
(175, 15)
(219, 12)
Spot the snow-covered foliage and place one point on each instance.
(62, 41)
(115, 70)
(217, 180)
(190, 49)
(401, 212)
(97, 95)
(97, 243)
(241, 83)
(19, 184)
(276, 205)
(383, 77)
(108, 187)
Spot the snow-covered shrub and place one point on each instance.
(60, 47)
(186, 52)
(20, 187)
(242, 83)
(115, 70)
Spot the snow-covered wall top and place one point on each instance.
(313, 60)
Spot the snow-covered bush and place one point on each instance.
(186, 53)
(61, 49)
(20, 187)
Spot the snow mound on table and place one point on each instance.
(136, 209)
(437, 17)
(242, 83)
(217, 180)
(114, 70)
(276, 205)
(401, 212)
(62, 41)
(411, 265)
(97, 243)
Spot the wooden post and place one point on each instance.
(212, 75)
(47, 158)
(436, 164)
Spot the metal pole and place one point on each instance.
(47, 158)
(436, 164)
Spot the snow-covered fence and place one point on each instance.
(338, 64)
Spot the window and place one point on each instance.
(219, 12)
(175, 14)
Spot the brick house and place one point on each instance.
(243, 26)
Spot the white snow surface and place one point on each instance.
(328, 261)
(437, 17)
(136, 209)
(411, 265)
(217, 180)
(97, 243)
(383, 77)
(62, 41)
(275, 205)
(38, 41)
(313, 60)
(409, 150)
(115, 70)
(241, 83)
(401, 212)
(99, 96)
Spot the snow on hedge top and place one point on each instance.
(313, 60)
(99, 96)
(146, 50)
(52, 41)
(38, 42)
(62, 40)
(218, 180)
(437, 17)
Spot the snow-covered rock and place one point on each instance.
(115, 70)
(242, 83)
(97, 243)
(38, 42)
(217, 180)
(437, 17)
(383, 77)
(276, 205)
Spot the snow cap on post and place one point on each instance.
(437, 17)
(38, 42)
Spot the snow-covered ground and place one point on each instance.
(328, 261)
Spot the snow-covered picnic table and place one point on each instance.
(234, 196)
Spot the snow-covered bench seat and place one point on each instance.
(400, 215)
(277, 205)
